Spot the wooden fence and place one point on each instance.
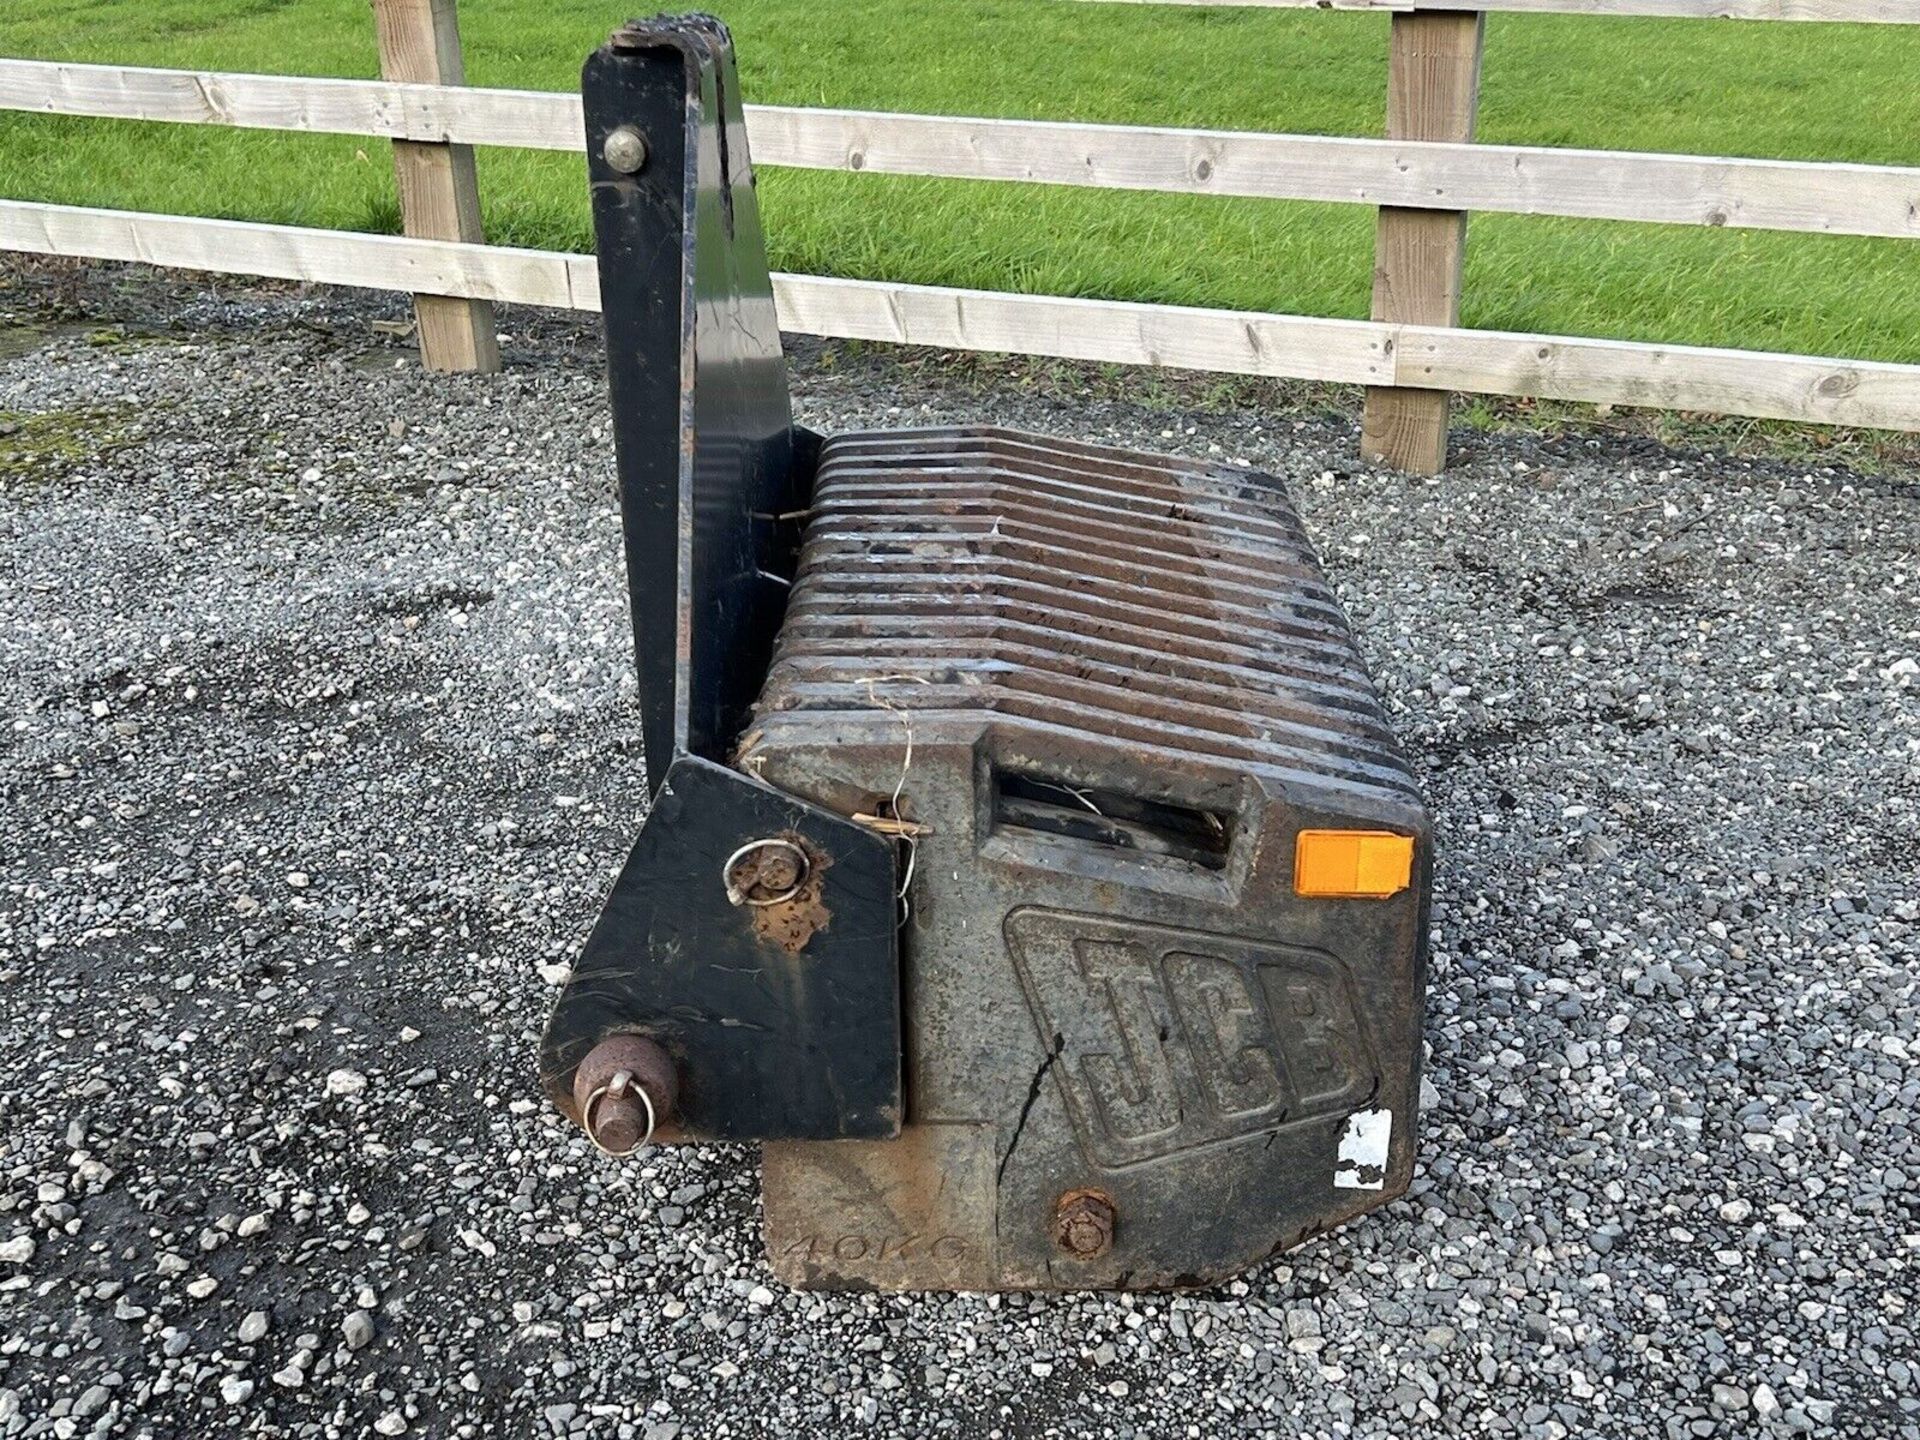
(1424, 179)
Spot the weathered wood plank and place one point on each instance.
(1840, 199)
(1237, 342)
(435, 114)
(1433, 93)
(285, 252)
(439, 188)
(1663, 377)
(1355, 352)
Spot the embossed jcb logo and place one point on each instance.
(1169, 1039)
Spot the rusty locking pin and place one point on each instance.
(618, 1089)
(764, 872)
(624, 1089)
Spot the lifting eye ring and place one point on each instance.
(745, 883)
(620, 1084)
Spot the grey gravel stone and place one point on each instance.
(277, 604)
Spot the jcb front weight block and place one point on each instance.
(1030, 867)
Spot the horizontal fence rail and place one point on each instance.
(523, 119)
(1356, 352)
(1866, 12)
(1837, 199)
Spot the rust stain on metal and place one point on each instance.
(793, 922)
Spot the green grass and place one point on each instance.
(1787, 91)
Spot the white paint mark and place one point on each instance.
(1362, 1162)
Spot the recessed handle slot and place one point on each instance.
(1110, 819)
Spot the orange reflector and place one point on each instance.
(1357, 863)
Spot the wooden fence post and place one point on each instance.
(1433, 91)
(439, 192)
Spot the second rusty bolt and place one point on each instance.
(1083, 1222)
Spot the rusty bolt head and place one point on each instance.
(779, 870)
(1083, 1222)
(625, 150)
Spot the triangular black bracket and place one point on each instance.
(783, 1020)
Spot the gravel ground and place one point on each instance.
(321, 746)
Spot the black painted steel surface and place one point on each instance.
(782, 1020)
(707, 452)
